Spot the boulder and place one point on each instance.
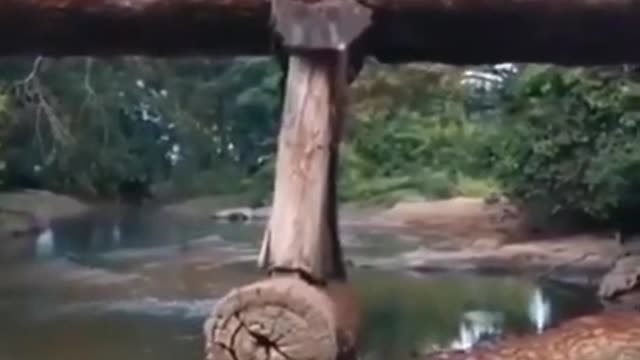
(620, 287)
(242, 214)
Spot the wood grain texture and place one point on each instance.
(607, 336)
(455, 31)
(282, 318)
(302, 232)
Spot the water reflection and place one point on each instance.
(480, 325)
(45, 246)
(139, 287)
(539, 310)
(146, 306)
(116, 235)
(113, 229)
(452, 311)
(402, 314)
(476, 326)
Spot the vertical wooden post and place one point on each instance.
(302, 233)
(313, 315)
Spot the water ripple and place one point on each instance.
(149, 306)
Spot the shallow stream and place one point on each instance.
(137, 284)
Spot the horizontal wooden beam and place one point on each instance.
(450, 31)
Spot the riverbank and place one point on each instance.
(455, 235)
(21, 211)
(24, 214)
(472, 235)
(459, 235)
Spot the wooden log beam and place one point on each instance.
(453, 31)
(148, 27)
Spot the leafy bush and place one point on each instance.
(569, 142)
(407, 154)
(476, 187)
(87, 126)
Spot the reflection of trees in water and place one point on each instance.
(111, 227)
(107, 228)
(424, 313)
(476, 326)
(480, 325)
(45, 246)
(539, 310)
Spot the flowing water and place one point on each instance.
(137, 284)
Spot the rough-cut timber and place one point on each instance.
(319, 25)
(283, 318)
(111, 27)
(302, 233)
(453, 31)
(606, 336)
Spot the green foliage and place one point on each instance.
(96, 124)
(476, 187)
(559, 140)
(425, 145)
(87, 126)
(569, 142)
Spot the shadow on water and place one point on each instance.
(135, 285)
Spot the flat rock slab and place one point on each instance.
(461, 217)
(565, 258)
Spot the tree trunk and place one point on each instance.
(302, 233)
(457, 31)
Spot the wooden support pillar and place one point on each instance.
(301, 234)
(305, 309)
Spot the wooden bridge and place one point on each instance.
(304, 308)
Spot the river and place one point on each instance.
(136, 284)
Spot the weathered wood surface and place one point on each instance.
(284, 318)
(306, 309)
(607, 336)
(302, 232)
(454, 31)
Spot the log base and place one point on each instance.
(277, 319)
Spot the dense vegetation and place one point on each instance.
(560, 140)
